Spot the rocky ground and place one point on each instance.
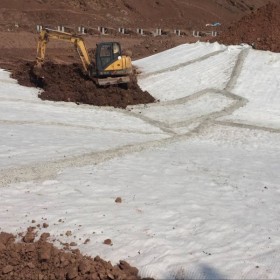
(40, 260)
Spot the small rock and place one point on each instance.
(84, 267)
(30, 265)
(125, 266)
(118, 200)
(44, 236)
(73, 244)
(68, 233)
(29, 236)
(86, 241)
(72, 273)
(45, 225)
(108, 242)
(45, 251)
(7, 269)
(110, 276)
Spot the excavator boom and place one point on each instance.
(47, 34)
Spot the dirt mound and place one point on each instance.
(259, 29)
(40, 260)
(67, 83)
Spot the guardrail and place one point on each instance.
(105, 30)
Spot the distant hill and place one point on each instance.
(127, 13)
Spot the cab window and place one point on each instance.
(105, 51)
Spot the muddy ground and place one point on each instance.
(62, 82)
(40, 260)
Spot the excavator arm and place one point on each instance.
(48, 34)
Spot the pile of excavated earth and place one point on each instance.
(40, 260)
(63, 82)
(259, 29)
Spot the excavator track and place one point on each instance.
(112, 81)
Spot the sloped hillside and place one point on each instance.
(144, 13)
(259, 29)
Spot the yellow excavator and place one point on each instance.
(108, 67)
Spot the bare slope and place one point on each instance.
(259, 29)
(145, 13)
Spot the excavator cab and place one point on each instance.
(110, 64)
(106, 54)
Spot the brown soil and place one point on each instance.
(259, 29)
(18, 21)
(22, 15)
(62, 82)
(40, 260)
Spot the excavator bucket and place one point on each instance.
(37, 69)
